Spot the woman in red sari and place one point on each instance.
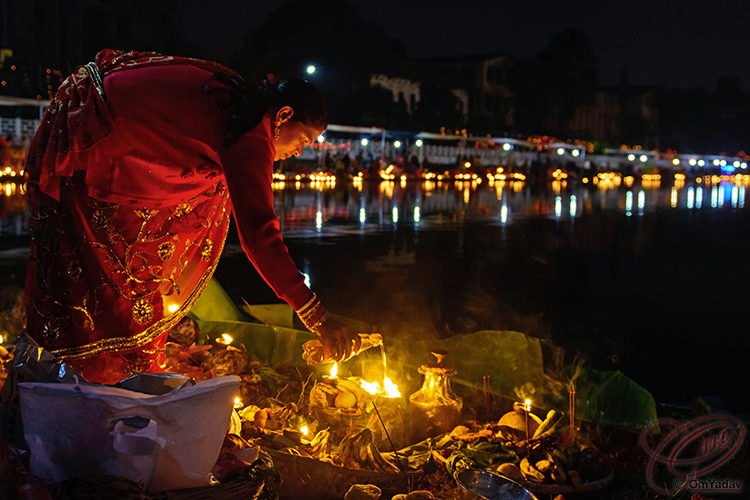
(132, 175)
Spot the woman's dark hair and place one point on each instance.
(248, 103)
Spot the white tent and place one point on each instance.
(22, 101)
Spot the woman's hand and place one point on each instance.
(338, 340)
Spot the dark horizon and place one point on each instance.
(687, 95)
(691, 47)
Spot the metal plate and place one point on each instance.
(477, 485)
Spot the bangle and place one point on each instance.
(308, 303)
(309, 309)
(312, 314)
(322, 320)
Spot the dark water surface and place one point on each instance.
(649, 279)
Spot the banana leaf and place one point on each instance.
(271, 314)
(214, 304)
(513, 360)
(418, 454)
(608, 397)
(269, 344)
(488, 454)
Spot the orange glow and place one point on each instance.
(388, 390)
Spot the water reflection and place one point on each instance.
(374, 206)
(14, 211)
(321, 204)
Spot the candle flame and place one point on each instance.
(334, 370)
(304, 430)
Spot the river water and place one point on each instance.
(648, 278)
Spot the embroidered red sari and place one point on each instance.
(131, 191)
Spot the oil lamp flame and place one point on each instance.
(238, 403)
(527, 405)
(304, 430)
(225, 339)
(334, 370)
(371, 387)
(388, 390)
(391, 389)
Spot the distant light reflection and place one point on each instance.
(641, 201)
(725, 193)
(628, 203)
(452, 197)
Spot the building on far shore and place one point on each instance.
(487, 84)
(402, 89)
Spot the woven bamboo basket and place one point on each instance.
(306, 478)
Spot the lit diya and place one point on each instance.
(342, 402)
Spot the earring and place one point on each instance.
(276, 132)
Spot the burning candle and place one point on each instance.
(334, 371)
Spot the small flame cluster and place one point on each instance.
(387, 389)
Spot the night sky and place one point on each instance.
(675, 43)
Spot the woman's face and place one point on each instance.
(293, 135)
